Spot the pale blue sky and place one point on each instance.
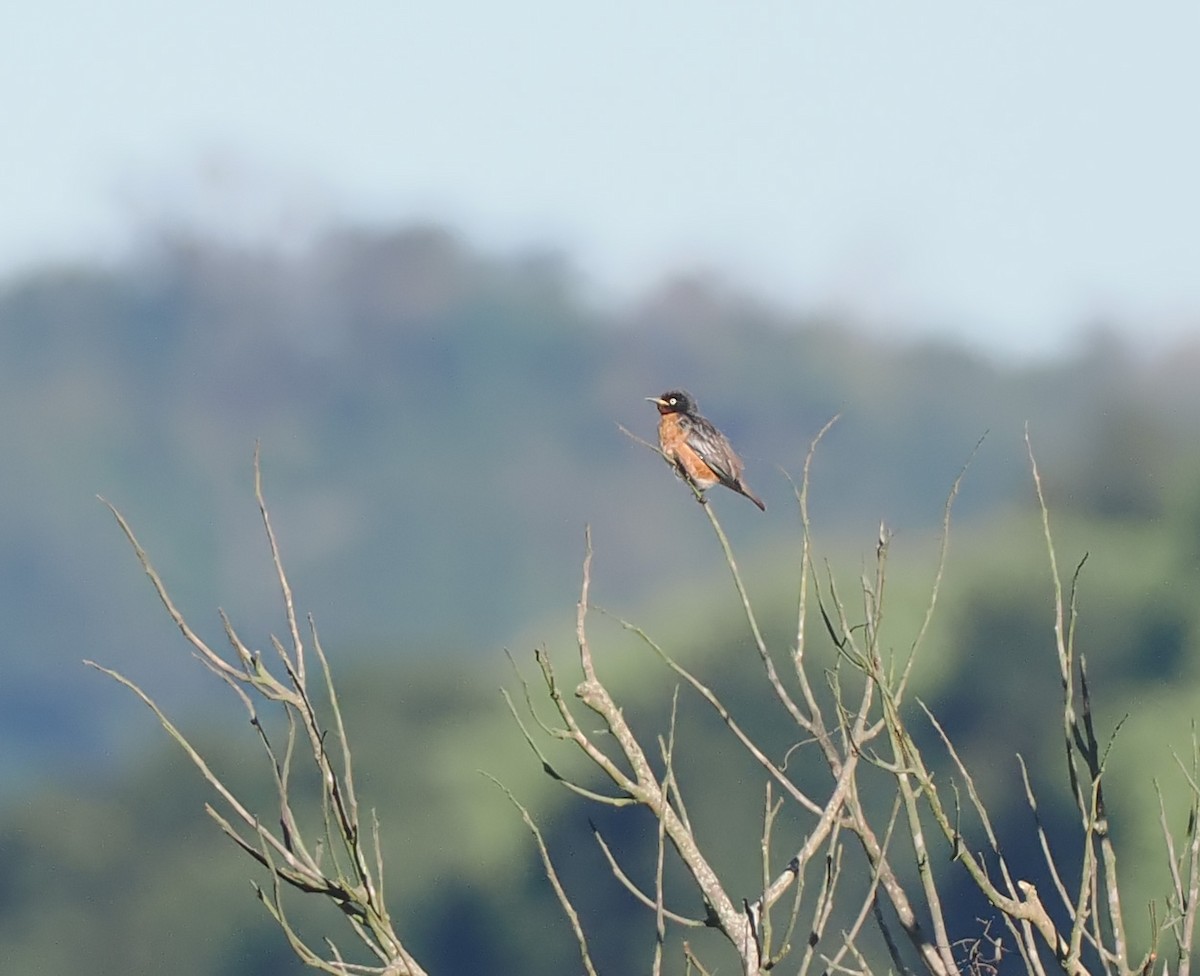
(1000, 170)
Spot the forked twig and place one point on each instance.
(353, 881)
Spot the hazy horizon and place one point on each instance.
(1004, 174)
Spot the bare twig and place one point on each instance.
(352, 881)
(552, 876)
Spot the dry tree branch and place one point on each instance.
(771, 808)
(806, 568)
(855, 725)
(648, 790)
(670, 787)
(747, 930)
(637, 892)
(1021, 930)
(285, 588)
(1184, 899)
(552, 875)
(943, 555)
(637, 783)
(825, 903)
(857, 720)
(352, 882)
(743, 737)
(867, 686)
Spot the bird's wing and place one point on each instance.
(714, 449)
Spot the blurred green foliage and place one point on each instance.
(437, 426)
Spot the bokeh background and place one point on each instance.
(430, 256)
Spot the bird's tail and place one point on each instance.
(753, 497)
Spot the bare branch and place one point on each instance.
(552, 877)
(289, 856)
(633, 889)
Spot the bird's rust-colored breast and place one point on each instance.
(673, 439)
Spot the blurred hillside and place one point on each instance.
(463, 875)
(437, 426)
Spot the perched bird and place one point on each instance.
(702, 455)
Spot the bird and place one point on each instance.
(700, 453)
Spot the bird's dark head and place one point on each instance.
(674, 401)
